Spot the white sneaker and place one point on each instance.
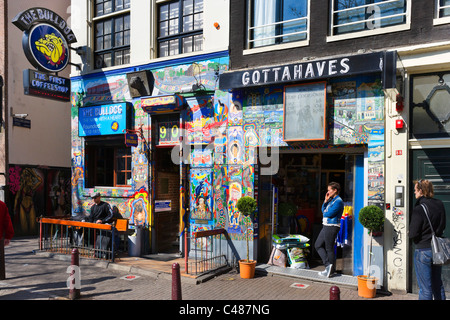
(328, 270)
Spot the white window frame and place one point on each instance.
(107, 16)
(281, 46)
(443, 20)
(359, 34)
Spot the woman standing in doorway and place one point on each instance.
(332, 210)
(428, 275)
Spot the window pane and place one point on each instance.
(99, 29)
(126, 56)
(187, 44)
(164, 12)
(435, 121)
(188, 23)
(188, 7)
(107, 27)
(126, 22)
(99, 43)
(119, 5)
(173, 10)
(118, 39)
(99, 10)
(198, 21)
(173, 47)
(354, 16)
(121, 178)
(107, 42)
(173, 26)
(119, 24)
(107, 60)
(198, 6)
(198, 42)
(164, 28)
(108, 7)
(126, 38)
(164, 49)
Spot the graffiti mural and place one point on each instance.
(37, 192)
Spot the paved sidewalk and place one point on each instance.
(31, 276)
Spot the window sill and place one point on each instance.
(106, 192)
(274, 47)
(440, 21)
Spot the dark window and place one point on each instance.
(108, 163)
(430, 112)
(180, 27)
(112, 34)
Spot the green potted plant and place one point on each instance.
(372, 218)
(247, 206)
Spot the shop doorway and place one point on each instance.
(433, 165)
(166, 205)
(301, 182)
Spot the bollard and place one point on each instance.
(176, 282)
(74, 292)
(2, 260)
(335, 293)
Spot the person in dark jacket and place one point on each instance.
(428, 275)
(101, 212)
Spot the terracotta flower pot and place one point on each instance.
(367, 286)
(247, 269)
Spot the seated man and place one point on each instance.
(101, 211)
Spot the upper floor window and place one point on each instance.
(349, 16)
(429, 105)
(443, 8)
(112, 33)
(180, 27)
(277, 21)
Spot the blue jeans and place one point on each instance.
(428, 276)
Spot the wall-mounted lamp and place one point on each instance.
(216, 25)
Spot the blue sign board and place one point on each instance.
(102, 120)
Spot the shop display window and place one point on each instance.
(108, 163)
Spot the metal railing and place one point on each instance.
(210, 250)
(91, 239)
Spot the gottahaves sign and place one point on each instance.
(46, 38)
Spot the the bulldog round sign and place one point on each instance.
(46, 48)
(46, 38)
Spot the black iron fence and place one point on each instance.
(98, 241)
(210, 250)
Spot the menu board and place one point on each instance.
(305, 112)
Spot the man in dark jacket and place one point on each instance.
(428, 275)
(101, 212)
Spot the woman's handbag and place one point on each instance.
(439, 246)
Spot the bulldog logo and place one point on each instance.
(53, 49)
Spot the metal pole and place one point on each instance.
(74, 292)
(176, 282)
